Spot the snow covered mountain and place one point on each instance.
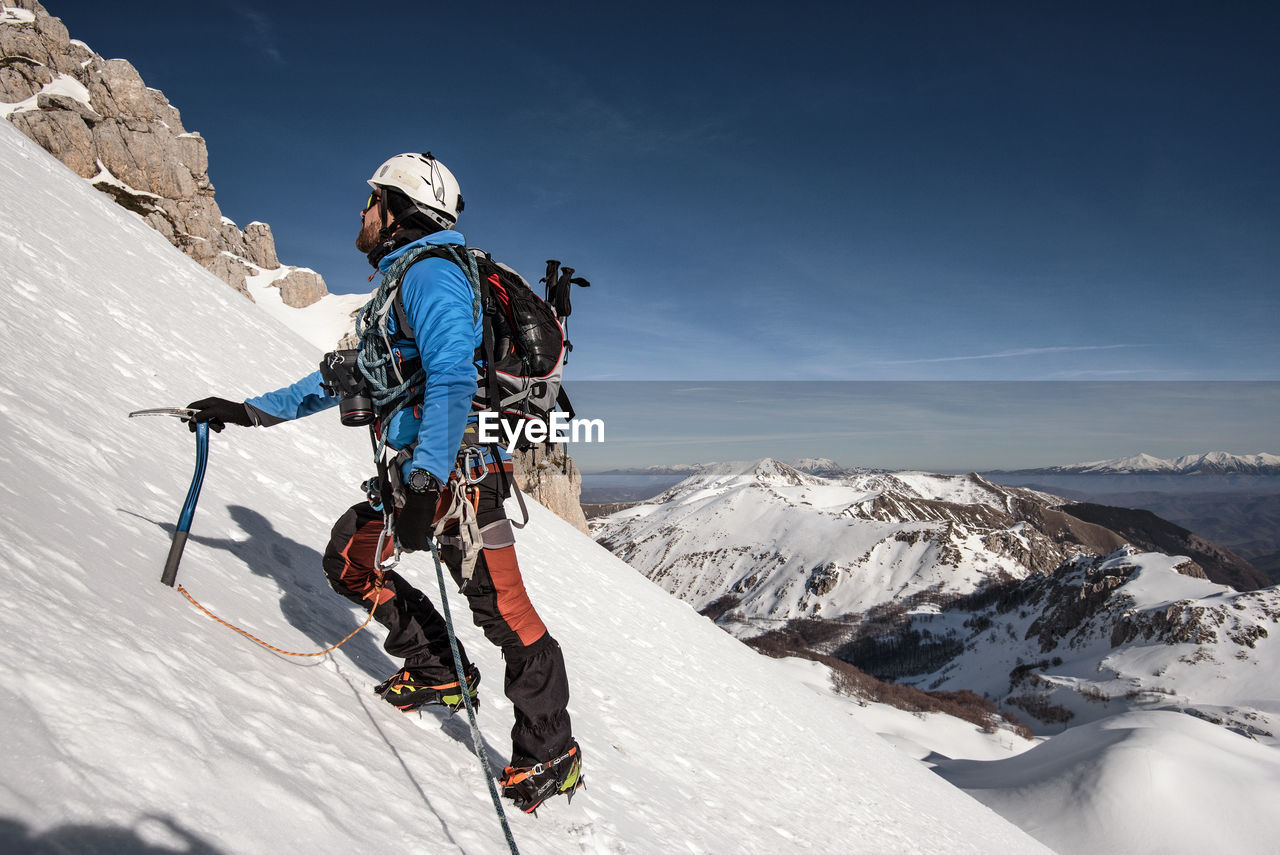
(1209, 463)
(135, 723)
(781, 544)
(1100, 636)
(917, 573)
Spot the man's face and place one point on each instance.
(370, 225)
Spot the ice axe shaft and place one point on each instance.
(188, 507)
(180, 534)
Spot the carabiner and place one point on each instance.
(473, 462)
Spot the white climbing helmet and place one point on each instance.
(428, 184)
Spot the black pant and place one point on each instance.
(536, 680)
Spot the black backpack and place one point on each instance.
(524, 348)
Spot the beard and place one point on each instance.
(367, 240)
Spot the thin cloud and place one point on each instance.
(262, 34)
(1009, 354)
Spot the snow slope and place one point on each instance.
(322, 323)
(1125, 785)
(134, 723)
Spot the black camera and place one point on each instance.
(341, 377)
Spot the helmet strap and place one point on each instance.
(388, 244)
(384, 214)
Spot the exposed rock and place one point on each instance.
(123, 93)
(52, 31)
(1192, 569)
(62, 133)
(24, 42)
(301, 288)
(823, 580)
(46, 101)
(548, 474)
(20, 77)
(195, 156)
(261, 246)
(136, 135)
(231, 270)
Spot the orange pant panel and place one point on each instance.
(513, 600)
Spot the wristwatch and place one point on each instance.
(422, 481)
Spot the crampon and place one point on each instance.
(407, 693)
(529, 786)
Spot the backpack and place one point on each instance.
(523, 352)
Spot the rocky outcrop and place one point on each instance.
(1147, 531)
(301, 288)
(99, 118)
(548, 474)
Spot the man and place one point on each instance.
(415, 203)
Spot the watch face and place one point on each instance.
(419, 480)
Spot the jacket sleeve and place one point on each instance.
(303, 398)
(438, 302)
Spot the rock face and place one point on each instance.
(548, 474)
(99, 118)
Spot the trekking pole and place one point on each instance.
(476, 738)
(180, 534)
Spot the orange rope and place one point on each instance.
(254, 638)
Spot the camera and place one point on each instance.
(341, 377)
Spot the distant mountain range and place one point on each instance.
(786, 544)
(1067, 611)
(1209, 463)
(823, 466)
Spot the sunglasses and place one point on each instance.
(373, 200)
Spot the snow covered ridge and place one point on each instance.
(100, 119)
(783, 544)
(810, 465)
(1099, 636)
(904, 567)
(1209, 463)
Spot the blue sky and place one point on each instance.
(907, 191)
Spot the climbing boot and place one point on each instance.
(407, 692)
(530, 786)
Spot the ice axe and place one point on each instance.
(193, 493)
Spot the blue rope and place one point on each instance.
(466, 700)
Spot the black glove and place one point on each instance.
(415, 520)
(219, 412)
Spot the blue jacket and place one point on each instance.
(438, 304)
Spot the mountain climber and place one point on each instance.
(415, 202)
